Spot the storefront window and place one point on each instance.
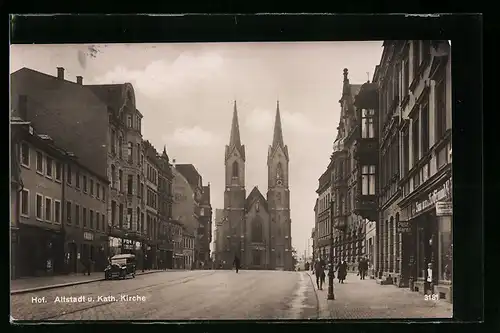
(446, 249)
(421, 252)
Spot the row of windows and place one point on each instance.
(324, 203)
(87, 184)
(88, 218)
(151, 174)
(152, 198)
(45, 164)
(188, 243)
(117, 147)
(46, 208)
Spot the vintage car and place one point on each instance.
(121, 266)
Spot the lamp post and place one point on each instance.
(331, 295)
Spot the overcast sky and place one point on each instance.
(186, 94)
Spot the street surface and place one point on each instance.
(205, 295)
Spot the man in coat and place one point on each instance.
(319, 269)
(236, 263)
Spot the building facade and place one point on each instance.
(426, 177)
(257, 229)
(165, 201)
(205, 229)
(188, 240)
(323, 215)
(218, 234)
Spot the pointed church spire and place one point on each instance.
(164, 150)
(234, 139)
(278, 132)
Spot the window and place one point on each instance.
(68, 211)
(57, 211)
(113, 142)
(368, 180)
(113, 212)
(138, 152)
(367, 124)
(91, 187)
(77, 214)
(142, 190)
(130, 182)
(103, 222)
(98, 190)
(138, 216)
(48, 166)
(129, 218)
(39, 206)
(235, 169)
(120, 216)
(406, 151)
(397, 78)
(440, 93)
(84, 181)
(69, 175)
(25, 202)
(84, 217)
(120, 147)
(416, 58)
(77, 179)
(48, 209)
(139, 194)
(25, 154)
(39, 162)
(425, 127)
(415, 139)
(129, 121)
(406, 74)
(58, 171)
(120, 180)
(142, 222)
(103, 193)
(91, 219)
(113, 176)
(130, 152)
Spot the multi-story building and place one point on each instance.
(354, 160)
(151, 170)
(188, 240)
(425, 177)
(194, 180)
(165, 199)
(323, 215)
(218, 235)
(205, 229)
(313, 237)
(370, 241)
(36, 203)
(175, 231)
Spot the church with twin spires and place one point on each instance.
(257, 229)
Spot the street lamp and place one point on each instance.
(331, 295)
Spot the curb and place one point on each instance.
(69, 284)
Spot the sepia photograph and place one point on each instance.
(231, 181)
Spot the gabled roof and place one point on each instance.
(255, 195)
(49, 97)
(190, 173)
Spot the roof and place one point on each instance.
(113, 95)
(367, 98)
(355, 89)
(325, 178)
(65, 110)
(255, 195)
(190, 173)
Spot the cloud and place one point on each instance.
(162, 78)
(262, 120)
(191, 137)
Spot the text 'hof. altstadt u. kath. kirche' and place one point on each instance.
(256, 229)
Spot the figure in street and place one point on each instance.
(319, 269)
(342, 271)
(236, 263)
(362, 268)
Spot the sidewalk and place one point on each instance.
(29, 284)
(365, 299)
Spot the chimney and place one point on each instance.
(23, 107)
(79, 80)
(60, 73)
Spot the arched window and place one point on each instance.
(130, 152)
(120, 147)
(257, 230)
(279, 171)
(235, 169)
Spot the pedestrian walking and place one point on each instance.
(428, 280)
(236, 263)
(342, 271)
(362, 268)
(319, 269)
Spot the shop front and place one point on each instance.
(40, 251)
(93, 248)
(428, 241)
(179, 260)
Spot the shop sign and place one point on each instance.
(88, 236)
(444, 208)
(434, 196)
(403, 227)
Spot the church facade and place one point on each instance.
(257, 229)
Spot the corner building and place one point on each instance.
(257, 229)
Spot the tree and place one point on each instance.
(294, 258)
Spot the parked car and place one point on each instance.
(121, 266)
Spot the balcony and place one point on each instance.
(340, 222)
(366, 151)
(366, 206)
